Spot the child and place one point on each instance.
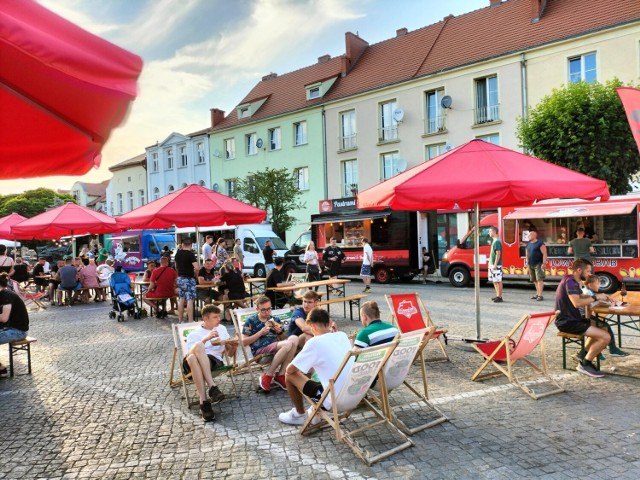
(591, 287)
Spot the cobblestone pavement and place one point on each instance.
(98, 406)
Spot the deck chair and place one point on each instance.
(503, 354)
(180, 332)
(298, 278)
(406, 314)
(249, 363)
(359, 369)
(27, 297)
(394, 374)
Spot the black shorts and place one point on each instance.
(237, 295)
(577, 327)
(313, 390)
(213, 361)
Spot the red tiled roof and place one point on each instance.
(95, 189)
(137, 160)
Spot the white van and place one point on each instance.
(252, 236)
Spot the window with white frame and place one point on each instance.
(299, 133)
(389, 164)
(274, 138)
(201, 183)
(170, 189)
(433, 150)
(154, 162)
(348, 130)
(184, 184)
(302, 178)
(230, 148)
(491, 138)
(349, 177)
(156, 193)
(435, 112)
(388, 125)
(169, 154)
(583, 68)
(183, 156)
(313, 92)
(250, 141)
(231, 187)
(244, 112)
(130, 200)
(200, 149)
(111, 212)
(487, 107)
(141, 197)
(120, 204)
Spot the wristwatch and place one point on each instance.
(595, 297)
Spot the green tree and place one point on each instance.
(32, 202)
(273, 190)
(583, 127)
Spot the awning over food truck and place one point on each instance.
(576, 210)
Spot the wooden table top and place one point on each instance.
(255, 280)
(629, 309)
(319, 283)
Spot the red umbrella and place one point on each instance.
(62, 91)
(480, 175)
(7, 222)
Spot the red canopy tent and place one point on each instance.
(5, 228)
(480, 175)
(62, 91)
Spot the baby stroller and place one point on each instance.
(122, 296)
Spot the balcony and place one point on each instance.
(388, 134)
(436, 124)
(348, 142)
(487, 114)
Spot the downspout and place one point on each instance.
(523, 73)
(324, 155)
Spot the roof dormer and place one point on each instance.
(320, 88)
(248, 109)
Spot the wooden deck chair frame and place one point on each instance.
(28, 298)
(180, 332)
(361, 367)
(504, 354)
(251, 363)
(394, 374)
(411, 317)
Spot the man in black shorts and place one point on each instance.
(569, 299)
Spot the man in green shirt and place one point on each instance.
(581, 247)
(375, 331)
(495, 264)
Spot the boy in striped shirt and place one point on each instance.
(375, 331)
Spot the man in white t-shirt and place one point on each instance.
(367, 264)
(323, 353)
(206, 346)
(207, 249)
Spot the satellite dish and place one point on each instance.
(401, 165)
(216, 187)
(259, 143)
(216, 153)
(446, 101)
(398, 114)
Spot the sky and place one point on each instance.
(201, 54)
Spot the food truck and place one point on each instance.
(613, 226)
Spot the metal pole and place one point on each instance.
(476, 266)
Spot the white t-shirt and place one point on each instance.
(199, 333)
(324, 354)
(207, 251)
(311, 256)
(367, 254)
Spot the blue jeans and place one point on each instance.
(10, 334)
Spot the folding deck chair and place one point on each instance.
(359, 367)
(394, 374)
(407, 315)
(180, 332)
(28, 297)
(503, 354)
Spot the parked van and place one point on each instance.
(133, 249)
(613, 225)
(252, 236)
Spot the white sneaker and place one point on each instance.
(316, 420)
(292, 417)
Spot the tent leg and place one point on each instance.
(476, 266)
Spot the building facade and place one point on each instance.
(127, 188)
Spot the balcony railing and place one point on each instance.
(487, 114)
(436, 124)
(387, 134)
(348, 142)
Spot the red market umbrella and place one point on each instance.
(5, 228)
(479, 175)
(62, 91)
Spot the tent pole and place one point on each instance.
(198, 245)
(476, 265)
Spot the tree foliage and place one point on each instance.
(583, 127)
(32, 202)
(273, 190)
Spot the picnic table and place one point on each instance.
(614, 314)
(259, 284)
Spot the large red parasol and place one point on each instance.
(7, 222)
(479, 175)
(62, 91)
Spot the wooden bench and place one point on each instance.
(20, 346)
(161, 305)
(573, 338)
(351, 300)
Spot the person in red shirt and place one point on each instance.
(162, 283)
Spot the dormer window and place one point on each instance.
(314, 93)
(244, 112)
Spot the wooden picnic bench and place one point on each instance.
(351, 300)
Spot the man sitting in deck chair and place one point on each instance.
(206, 346)
(323, 353)
(375, 331)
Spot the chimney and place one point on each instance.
(354, 48)
(324, 58)
(217, 116)
(269, 76)
(537, 9)
(494, 3)
(401, 32)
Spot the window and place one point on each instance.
(111, 212)
(349, 178)
(230, 148)
(244, 112)
(154, 162)
(231, 187)
(183, 185)
(170, 189)
(389, 164)
(200, 149)
(274, 138)
(435, 113)
(313, 92)
(432, 151)
(300, 133)
(141, 197)
(487, 108)
(251, 144)
(128, 179)
(388, 125)
(491, 138)
(130, 201)
(302, 178)
(583, 68)
(156, 193)
(348, 130)
(120, 205)
(169, 153)
(201, 183)
(183, 156)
